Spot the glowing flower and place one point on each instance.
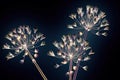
(71, 50)
(90, 20)
(25, 40)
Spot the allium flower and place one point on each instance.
(71, 50)
(24, 40)
(90, 20)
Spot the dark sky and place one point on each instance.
(51, 18)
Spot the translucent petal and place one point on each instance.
(80, 12)
(35, 55)
(28, 30)
(17, 50)
(35, 30)
(104, 34)
(80, 33)
(18, 38)
(74, 67)
(42, 38)
(64, 62)
(26, 53)
(22, 61)
(57, 66)
(79, 59)
(79, 40)
(33, 42)
(8, 37)
(104, 23)
(73, 16)
(75, 25)
(98, 33)
(13, 42)
(10, 34)
(70, 72)
(6, 46)
(64, 38)
(70, 26)
(59, 53)
(51, 53)
(61, 45)
(87, 48)
(63, 56)
(67, 73)
(10, 56)
(55, 44)
(86, 58)
(91, 52)
(106, 28)
(42, 43)
(101, 14)
(85, 68)
(36, 51)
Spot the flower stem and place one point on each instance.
(37, 66)
(70, 70)
(76, 71)
(78, 64)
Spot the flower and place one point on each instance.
(71, 48)
(22, 40)
(90, 20)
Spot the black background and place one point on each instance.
(51, 18)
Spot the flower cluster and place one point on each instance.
(22, 40)
(74, 49)
(90, 20)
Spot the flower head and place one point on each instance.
(90, 20)
(23, 39)
(71, 48)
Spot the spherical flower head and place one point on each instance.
(22, 40)
(90, 19)
(72, 48)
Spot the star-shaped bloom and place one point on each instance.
(90, 19)
(72, 48)
(22, 40)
